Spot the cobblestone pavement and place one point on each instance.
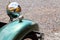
(45, 12)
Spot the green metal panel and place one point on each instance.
(9, 31)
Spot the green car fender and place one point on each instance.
(16, 28)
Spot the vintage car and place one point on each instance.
(19, 30)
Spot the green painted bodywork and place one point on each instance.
(13, 29)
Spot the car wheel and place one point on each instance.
(30, 36)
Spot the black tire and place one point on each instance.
(31, 35)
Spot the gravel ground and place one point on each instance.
(45, 12)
